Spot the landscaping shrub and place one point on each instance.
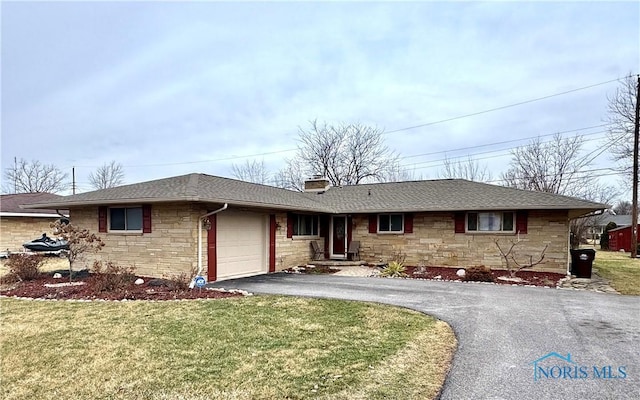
(478, 273)
(179, 283)
(604, 239)
(23, 267)
(394, 270)
(112, 277)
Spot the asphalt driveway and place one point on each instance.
(503, 330)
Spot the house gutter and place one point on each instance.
(200, 221)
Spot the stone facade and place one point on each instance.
(434, 242)
(169, 250)
(172, 246)
(291, 252)
(14, 231)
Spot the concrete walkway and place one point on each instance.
(502, 330)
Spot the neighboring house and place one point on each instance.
(19, 225)
(230, 228)
(597, 224)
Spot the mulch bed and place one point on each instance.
(532, 278)
(315, 270)
(36, 289)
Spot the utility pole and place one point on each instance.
(15, 174)
(634, 205)
(73, 179)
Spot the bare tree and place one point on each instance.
(515, 263)
(80, 242)
(346, 154)
(397, 173)
(107, 176)
(556, 166)
(623, 208)
(251, 171)
(621, 119)
(34, 177)
(469, 169)
(292, 176)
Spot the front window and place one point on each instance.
(305, 225)
(390, 223)
(125, 219)
(490, 222)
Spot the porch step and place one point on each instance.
(337, 263)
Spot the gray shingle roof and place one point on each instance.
(443, 195)
(434, 195)
(194, 187)
(11, 203)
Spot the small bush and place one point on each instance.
(394, 270)
(179, 283)
(23, 267)
(604, 239)
(112, 277)
(478, 273)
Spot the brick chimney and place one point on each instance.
(317, 184)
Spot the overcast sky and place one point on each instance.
(171, 88)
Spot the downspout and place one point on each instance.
(200, 221)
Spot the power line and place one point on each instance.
(504, 107)
(386, 132)
(508, 141)
(509, 149)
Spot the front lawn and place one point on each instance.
(261, 347)
(620, 269)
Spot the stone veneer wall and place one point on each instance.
(170, 249)
(14, 231)
(291, 252)
(434, 242)
(172, 246)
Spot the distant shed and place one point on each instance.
(620, 238)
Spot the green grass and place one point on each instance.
(620, 269)
(262, 347)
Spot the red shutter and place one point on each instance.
(272, 243)
(521, 221)
(408, 223)
(102, 219)
(373, 223)
(146, 218)
(289, 225)
(212, 251)
(459, 223)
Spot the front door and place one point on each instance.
(339, 237)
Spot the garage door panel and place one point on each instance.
(241, 244)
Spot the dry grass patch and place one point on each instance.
(620, 269)
(255, 347)
(49, 264)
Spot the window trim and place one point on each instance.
(390, 232)
(296, 220)
(501, 231)
(125, 231)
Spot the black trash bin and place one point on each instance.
(582, 262)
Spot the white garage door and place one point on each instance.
(241, 244)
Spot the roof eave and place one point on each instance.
(86, 203)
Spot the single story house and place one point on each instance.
(19, 225)
(227, 228)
